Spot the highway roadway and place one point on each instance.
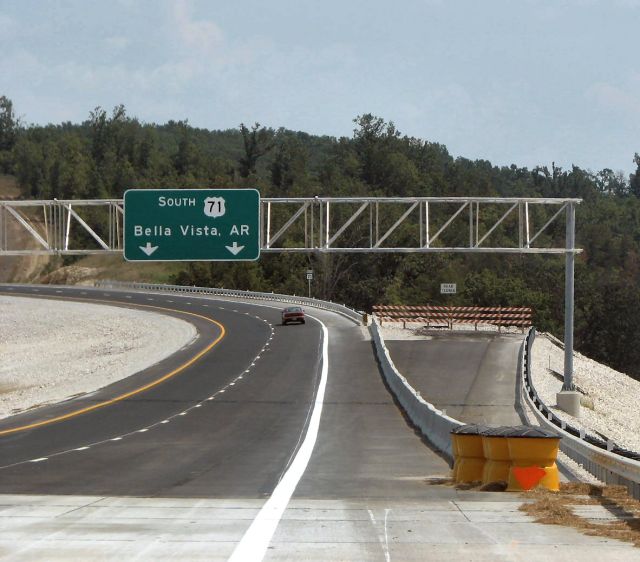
(472, 375)
(258, 441)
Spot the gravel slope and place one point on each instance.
(52, 350)
(610, 402)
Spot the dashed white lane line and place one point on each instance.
(166, 421)
(255, 541)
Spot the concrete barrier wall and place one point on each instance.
(433, 423)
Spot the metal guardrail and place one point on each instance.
(606, 461)
(342, 309)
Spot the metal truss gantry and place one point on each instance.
(331, 225)
(320, 224)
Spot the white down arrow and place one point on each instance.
(148, 249)
(235, 249)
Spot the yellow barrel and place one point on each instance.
(456, 454)
(496, 453)
(533, 452)
(470, 460)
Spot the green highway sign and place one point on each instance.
(191, 225)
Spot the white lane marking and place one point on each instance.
(256, 539)
(386, 535)
(385, 543)
(143, 430)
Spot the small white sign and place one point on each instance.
(447, 288)
(310, 276)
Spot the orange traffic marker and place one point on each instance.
(528, 476)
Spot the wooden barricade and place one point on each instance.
(448, 316)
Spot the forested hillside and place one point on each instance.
(112, 151)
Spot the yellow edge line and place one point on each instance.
(152, 384)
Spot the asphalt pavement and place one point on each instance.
(185, 468)
(473, 376)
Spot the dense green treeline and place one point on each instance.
(111, 152)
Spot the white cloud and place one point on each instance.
(615, 98)
(201, 37)
(117, 44)
(8, 28)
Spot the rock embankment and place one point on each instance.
(52, 350)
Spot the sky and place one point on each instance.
(525, 82)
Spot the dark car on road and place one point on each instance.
(292, 314)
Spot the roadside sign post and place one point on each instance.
(309, 279)
(191, 225)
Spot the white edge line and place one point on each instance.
(255, 541)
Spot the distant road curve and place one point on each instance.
(210, 393)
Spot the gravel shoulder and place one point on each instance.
(53, 350)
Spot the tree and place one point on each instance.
(374, 141)
(634, 183)
(257, 142)
(186, 158)
(8, 124)
(289, 167)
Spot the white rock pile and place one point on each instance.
(610, 398)
(52, 350)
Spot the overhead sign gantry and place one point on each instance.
(166, 225)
